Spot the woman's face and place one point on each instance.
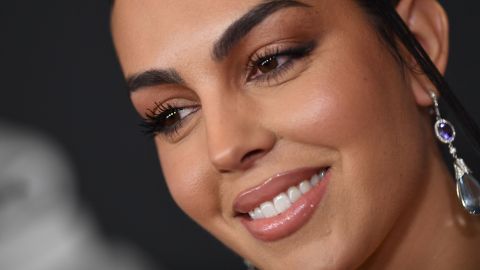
(249, 98)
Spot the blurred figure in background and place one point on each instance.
(42, 227)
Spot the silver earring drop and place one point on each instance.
(468, 188)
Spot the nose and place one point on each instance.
(236, 137)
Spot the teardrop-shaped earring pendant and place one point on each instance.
(468, 188)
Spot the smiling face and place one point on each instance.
(250, 98)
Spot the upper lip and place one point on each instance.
(252, 197)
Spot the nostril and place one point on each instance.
(252, 156)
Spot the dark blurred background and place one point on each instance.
(59, 75)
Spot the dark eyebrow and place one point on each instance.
(241, 27)
(234, 33)
(153, 77)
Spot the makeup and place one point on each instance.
(282, 204)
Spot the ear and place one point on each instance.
(429, 23)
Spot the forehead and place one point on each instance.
(144, 29)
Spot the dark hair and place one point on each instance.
(391, 28)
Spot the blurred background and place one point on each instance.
(64, 106)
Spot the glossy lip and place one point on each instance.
(288, 222)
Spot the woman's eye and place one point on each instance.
(166, 120)
(268, 64)
(275, 62)
(171, 118)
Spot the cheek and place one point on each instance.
(187, 175)
(371, 122)
(329, 109)
(353, 116)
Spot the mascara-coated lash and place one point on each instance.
(154, 121)
(294, 53)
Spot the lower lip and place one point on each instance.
(290, 221)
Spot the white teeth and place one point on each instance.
(268, 209)
(284, 200)
(304, 186)
(294, 194)
(281, 202)
(258, 213)
(315, 179)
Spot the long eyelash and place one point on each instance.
(294, 52)
(150, 124)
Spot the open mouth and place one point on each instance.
(282, 204)
(284, 200)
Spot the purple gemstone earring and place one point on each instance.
(468, 188)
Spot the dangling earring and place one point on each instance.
(468, 188)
